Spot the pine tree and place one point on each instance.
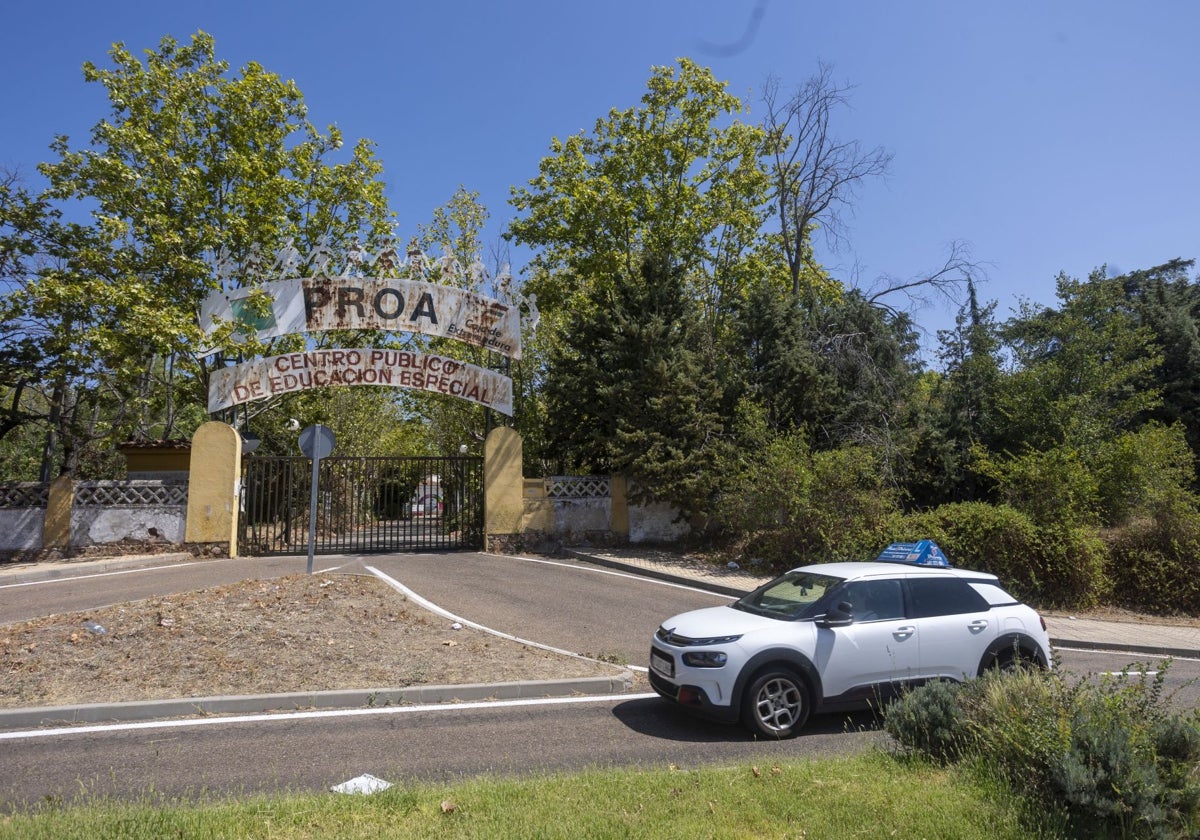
(630, 392)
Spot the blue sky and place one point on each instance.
(1050, 136)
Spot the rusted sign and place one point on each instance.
(284, 374)
(314, 304)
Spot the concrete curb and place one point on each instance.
(657, 574)
(1149, 650)
(30, 718)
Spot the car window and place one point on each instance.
(874, 600)
(789, 596)
(993, 594)
(943, 596)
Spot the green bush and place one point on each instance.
(1049, 565)
(990, 538)
(1152, 562)
(1143, 471)
(790, 504)
(929, 720)
(1054, 487)
(1072, 563)
(1113, 755)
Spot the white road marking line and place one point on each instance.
(1137, 653)
(96, 575)
(282, 717)
(466, 622)
(1128, 674)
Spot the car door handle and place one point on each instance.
(904, 632)
(978, 626)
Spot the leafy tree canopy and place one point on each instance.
(192, 161)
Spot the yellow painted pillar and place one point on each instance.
(214, 484)
(503, 489)
(56, 529)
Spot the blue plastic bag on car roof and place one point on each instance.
(921, 553)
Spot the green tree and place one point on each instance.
(1083, 372)
(871, 356)
(631, 392)
(192, 161)
(783, 371)
(677, 179)
(961, 411)
(1169, 305)
(1082, 382)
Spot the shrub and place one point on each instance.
(1072, 566)
(1130, 764)
(929, 720)
(1152, 562)
(1113, 754)
(990, 538)
(790, 504)
(1049, 565)
(1055, 487)
(1139, 472)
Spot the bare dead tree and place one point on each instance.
(944, 282)
(816, 176)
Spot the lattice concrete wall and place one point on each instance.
(101, 512)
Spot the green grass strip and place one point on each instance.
(870, 796)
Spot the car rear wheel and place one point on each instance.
(776, 703)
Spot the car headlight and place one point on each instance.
(705, 659)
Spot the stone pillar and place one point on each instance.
(214, 485)
(503, 490)
(619, 518)
(56, 530)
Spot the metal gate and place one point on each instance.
(363, 505)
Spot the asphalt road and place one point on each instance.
(565, 604)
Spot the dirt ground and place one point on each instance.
(298, 633)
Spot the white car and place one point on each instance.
(839, 636)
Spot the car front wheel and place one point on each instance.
(776, 703)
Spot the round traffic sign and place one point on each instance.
(317, 442)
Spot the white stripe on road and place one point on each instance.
(73, 578)
(434, 608)
(313, 715)
(1140, 655)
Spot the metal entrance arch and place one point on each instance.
(364, 505)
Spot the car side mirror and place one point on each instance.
(841, 615)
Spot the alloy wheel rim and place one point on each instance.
(778, 704)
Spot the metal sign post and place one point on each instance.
(316, 442)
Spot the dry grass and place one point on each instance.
(298, 633)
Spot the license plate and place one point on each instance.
(664, 665)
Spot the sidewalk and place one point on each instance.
(1066, 631)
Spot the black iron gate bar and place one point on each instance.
(364, 504)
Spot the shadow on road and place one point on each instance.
(658, 718)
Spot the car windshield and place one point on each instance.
(788, 597)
